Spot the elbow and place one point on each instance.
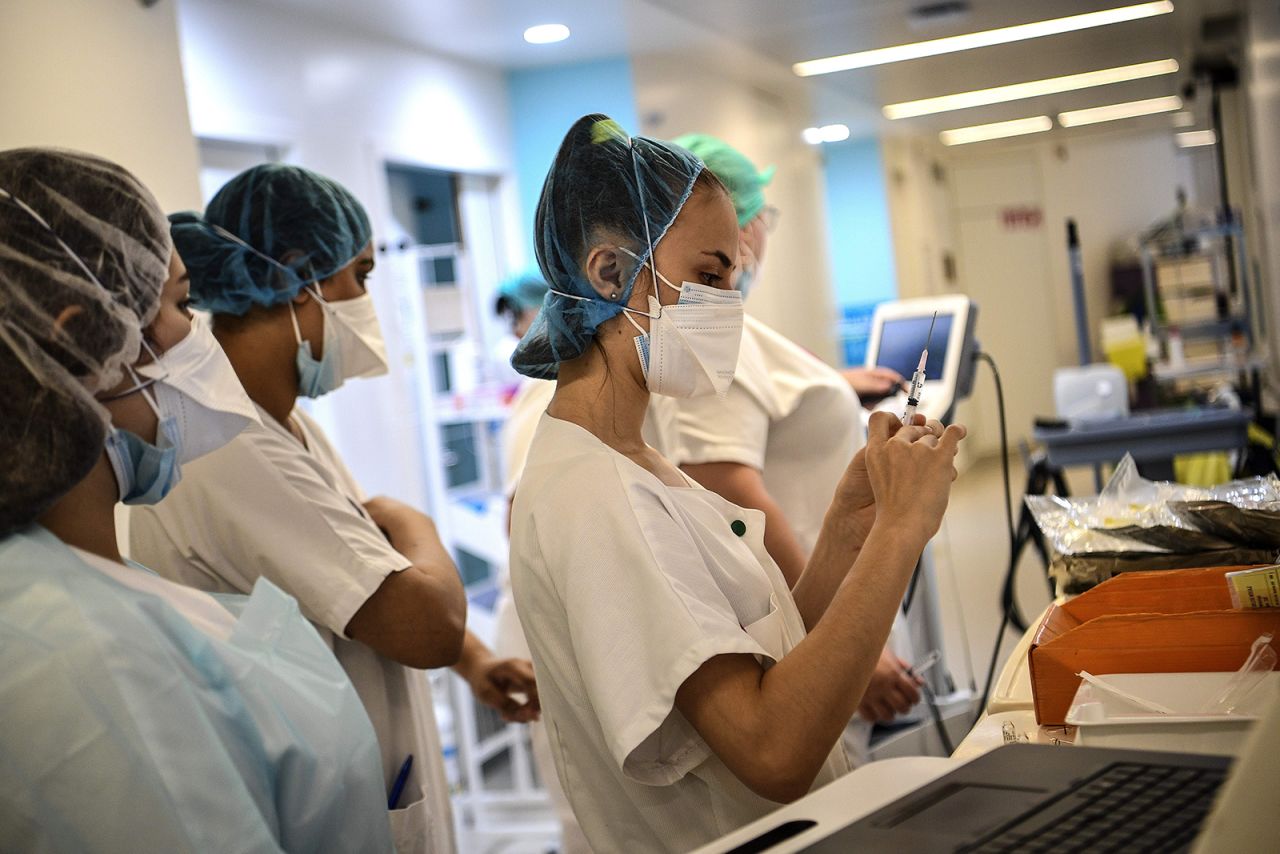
(779, 775)
(443, 645)
(444, 626)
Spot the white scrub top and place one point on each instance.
(788, 415)
(139, 715)
(265, 506)
(625, 587)
(527, 406)
(794, 419)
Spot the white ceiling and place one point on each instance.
(763, 38)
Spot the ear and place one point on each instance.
(606, 271)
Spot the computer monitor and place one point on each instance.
(898, 333)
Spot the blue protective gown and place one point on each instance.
(124, 728)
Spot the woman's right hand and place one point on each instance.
(911, 469)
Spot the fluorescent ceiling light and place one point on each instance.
(546, 34)
(968, 41)
(1184, 119)
(1113, 112)
(1195, 138)
(826, 133)
(1030, 89)
(996, 130)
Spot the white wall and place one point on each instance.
(795, 296)
(101, 76)
(344, 104)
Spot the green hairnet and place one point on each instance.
(746, 184)
(521, 292)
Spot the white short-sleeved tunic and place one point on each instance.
(788, 415)
(794, 419)
(625, 587)
(266, 506)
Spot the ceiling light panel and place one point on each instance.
(996, 130)
(546, 34)
(986, 38)
(1030, 89)
(1195, 138)
(1115, 112)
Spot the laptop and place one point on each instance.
(1030, 798)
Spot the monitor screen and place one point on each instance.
(902, 339)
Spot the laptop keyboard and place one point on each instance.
(1122, 808)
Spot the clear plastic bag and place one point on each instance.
(1139, 524)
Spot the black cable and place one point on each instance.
(937, 719)
(911, 588)
(1008, 510)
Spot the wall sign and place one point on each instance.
(1021, 218)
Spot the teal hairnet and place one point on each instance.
(745, 183)
(521, 292)
(269, 232)
(604, 187)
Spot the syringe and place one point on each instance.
(917, 379)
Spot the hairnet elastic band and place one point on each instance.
(239, 241)
(43, 223)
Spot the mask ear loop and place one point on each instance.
(627, 310)
(141, 384)
(653, 269)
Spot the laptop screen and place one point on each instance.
(902, 339)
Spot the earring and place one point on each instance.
(615, 294)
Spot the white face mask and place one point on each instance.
(197, 387)
(353, 345)
(691, 348)
(364, 352)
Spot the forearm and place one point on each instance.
(473, 657)
(782, 544)
(818, 685)
(417, 616)
(839, 546)
(774, 728)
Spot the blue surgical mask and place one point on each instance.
(145, 472)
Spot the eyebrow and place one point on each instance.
(723, 258)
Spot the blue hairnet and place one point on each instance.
(521, 292)
(604, 187)
(268, 233)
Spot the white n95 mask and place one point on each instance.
(198, 389)
(691, 348)
(353, 345)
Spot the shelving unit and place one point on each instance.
(1196, 280)
(458, 412)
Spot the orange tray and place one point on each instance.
(1171, 621)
